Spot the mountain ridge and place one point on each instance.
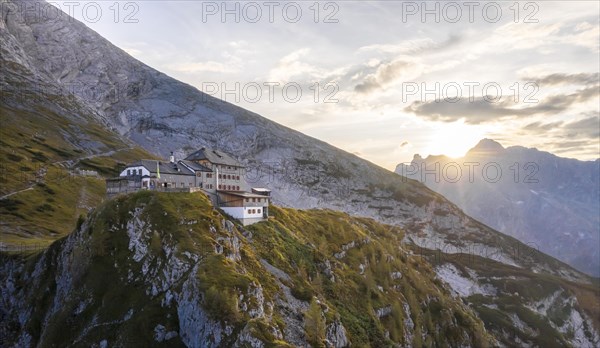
(539, 197)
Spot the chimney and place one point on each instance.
(172, 158)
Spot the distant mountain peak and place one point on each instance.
(487, 146)
(417, 158)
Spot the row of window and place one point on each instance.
(199, 174)
(191, 184)
(256, 199)
(253, 211)
(174, 184)
(228, 177)
(228, 187)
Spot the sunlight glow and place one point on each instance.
(453, 139)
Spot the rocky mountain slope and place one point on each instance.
(543, 200)
(48, 137)
(169, 270)
(162, 114)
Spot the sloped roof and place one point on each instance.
(243, 194)
(213, 156)
(164, 167)
(195, 166)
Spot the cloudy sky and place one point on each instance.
(384, 80)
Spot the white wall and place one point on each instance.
(242, 213)
(235, 212)
(144, 170)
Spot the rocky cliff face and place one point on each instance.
(154, 269)
(549, 202)
(169, 270)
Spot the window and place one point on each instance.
(237, 188)
(247, 199)
(220, 176)
(128, 172)
(258, 212)
(253, 199)
(238, 177)
(219, 187)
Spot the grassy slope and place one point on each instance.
(297, 242)
(34, 147)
